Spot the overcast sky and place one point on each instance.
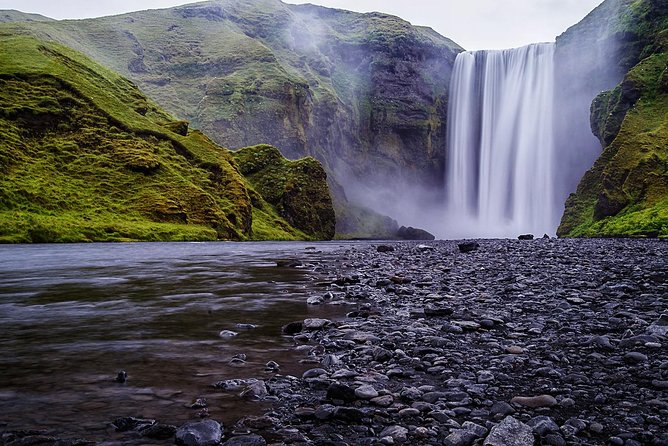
(474, 24)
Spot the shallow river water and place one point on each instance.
(72, 316)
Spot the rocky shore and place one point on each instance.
(514, 342)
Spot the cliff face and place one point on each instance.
(366, 94)
(84, 156)
(626, 191)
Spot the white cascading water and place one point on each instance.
(500, 158)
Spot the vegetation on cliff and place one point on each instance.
(626, 191)
(365, 94)
(84, 156)
(297, 190)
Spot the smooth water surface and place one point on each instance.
(72, 316)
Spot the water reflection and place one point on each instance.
(71, 316)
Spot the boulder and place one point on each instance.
(200, 433)
(510, 432)
(409, 233)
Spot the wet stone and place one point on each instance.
(202, 433)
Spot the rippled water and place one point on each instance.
(72, 316)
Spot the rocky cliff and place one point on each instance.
(625, 193)
(85, 156)
(366, 94)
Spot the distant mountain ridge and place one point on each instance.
(11, 15)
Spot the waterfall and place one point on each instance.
(499, 176)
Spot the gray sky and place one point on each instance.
(474, 24)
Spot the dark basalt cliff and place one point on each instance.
(85, 156)
(365, 94)
(625, 193)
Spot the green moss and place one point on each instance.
(624, 194)
(85, 157)
(27, 227)
(296, 189)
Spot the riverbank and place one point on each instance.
(554, 341)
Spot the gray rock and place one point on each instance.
(535, 401)
(316, 323)
(510, 432)
(325, 412)
(314, 373)
(383, 401)
(255, 390)
(467, 325)
(292, 328)
(554, 440)
(660, 327)
(409, 412)
(478, 430)
(315, 300)
(460, 437)
(129, 423)
(398, 433)
(485, 377)
(502, 408)
(543, 425)
(635, 357)
(200, 433)
(243, 326)
(366, 392)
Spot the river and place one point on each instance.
(72, 316)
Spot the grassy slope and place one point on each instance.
(626, 192)
(86, 157)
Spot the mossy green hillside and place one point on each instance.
(290, 188)
(626, 192)
(84, 156)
